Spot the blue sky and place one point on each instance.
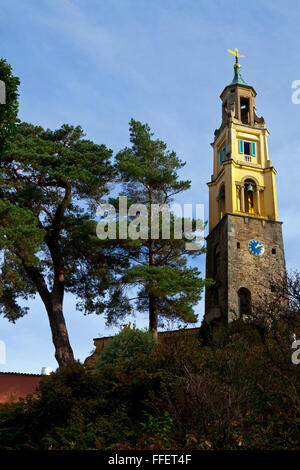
(99, 63)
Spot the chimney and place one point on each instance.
(46, 370)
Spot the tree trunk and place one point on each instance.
(153, 309)
(63, 350)
(53, 301)
(153, 315)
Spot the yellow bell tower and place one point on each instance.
(243, 179)
(242, 207)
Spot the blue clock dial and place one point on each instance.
(256, 247)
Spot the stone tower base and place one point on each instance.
(232, 267)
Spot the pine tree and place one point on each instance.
(51, 183)
(9, 110)
(167, 286)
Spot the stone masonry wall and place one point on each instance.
(246, 270)
(238, 268)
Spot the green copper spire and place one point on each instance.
(237, 79)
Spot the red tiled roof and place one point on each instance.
(21, 373)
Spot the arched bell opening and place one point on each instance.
(250, 197)
(250, 194)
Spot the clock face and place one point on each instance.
(256, 247)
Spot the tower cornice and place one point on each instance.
(248, 166)
(238, 86)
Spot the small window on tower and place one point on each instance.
(246, 148)
(238, 245)
(222, 154)
(273, 251)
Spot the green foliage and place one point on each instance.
(12, 425)
(205, 334)
(51, 183)
(177, 289)
(149, 164)
(166, 286)
(157, 429)
(9, 111)
(178, 395)
(158, 425)
(125, 344)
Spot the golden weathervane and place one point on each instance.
(236, 54)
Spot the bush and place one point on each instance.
(125, 345)
(179, 396)
(12, 426)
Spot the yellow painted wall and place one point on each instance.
(236, 169)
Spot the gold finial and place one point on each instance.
(237, 55)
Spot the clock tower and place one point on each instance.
(244, 246)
